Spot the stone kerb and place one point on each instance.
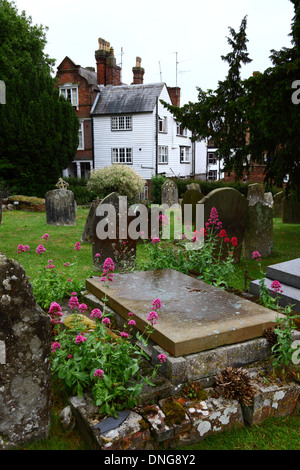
(25, 346)
(232, 208)
(60, 207)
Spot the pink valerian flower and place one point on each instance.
(234, 241)
(124, 335)
(130, 314)
(106, 321)
(80, 339)
(155, 240)
(45, 236)
(97, 255)
(50, 265)
(213, 221)
(73, 302)
(55, 308)
(108, 267)
(82, 308)
(96, 313)
(67, 264)
(152, 317)
(276, 286)
(99, 373)
(55, 346)
(131, 323)
(40, 249)
(162, 358)
(256, 255)
(70, 356)
(77, 246)
(222, 234)
(156, 303)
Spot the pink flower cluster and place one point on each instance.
(108, 267)
(152, 316)
(55, 346)
(155, 240)
(213, 221)
(99, 373)
(77, 246)
(23, 248)
(45, 236)
(96, 313)
(55, 312)
(40, 249)
(73, 302)
(256, 256)
(50, 265)
(80, 339)
(276, 286)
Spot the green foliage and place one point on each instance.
(116, 178)
(282, 350)
(39, 130)
(81, 193)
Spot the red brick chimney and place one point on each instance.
(108, 72)
(138, 73)
(174, 93)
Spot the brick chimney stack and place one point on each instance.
(138, 73)
(174, 93)
(108, 72)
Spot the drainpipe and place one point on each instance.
(156, 139)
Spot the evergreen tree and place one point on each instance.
(39, 129)
(219, 115)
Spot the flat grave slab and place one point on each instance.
(286, 273)
(194, 316)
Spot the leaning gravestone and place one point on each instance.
(25, 346)
(110, 232)
(87, 234)
(191, 197)
(60, 207)
(290, 210)
(169, 193)
(258, 234)
(232, 209)
(255, 193)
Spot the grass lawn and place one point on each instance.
(27, 228)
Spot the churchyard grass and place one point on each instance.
(27, 228)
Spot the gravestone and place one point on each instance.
(290, 210)
(110, 232)
(194, 316)
(60, 207)
(193, 186)
(277, 208)
(258, 234)
(191, 197)
(232, 208)
(87, 234)
(255, 193)
(25, 346)
(268, 200)
(169, 193)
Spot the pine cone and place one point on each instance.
(233, 383)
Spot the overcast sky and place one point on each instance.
(158, 29)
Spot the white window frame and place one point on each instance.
(121, 155)
(211, 158)
(163, 124)
(81, 136)
(181, 131)
(121, 123)
(70, 93)
(185, 154)
(163, 155)
(212, 175)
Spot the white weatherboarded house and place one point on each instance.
(131, 126)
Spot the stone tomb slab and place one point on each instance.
(194, 316)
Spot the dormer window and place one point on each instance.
(70, 93)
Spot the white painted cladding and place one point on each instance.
(142, 140)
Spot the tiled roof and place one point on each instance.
(127, 99)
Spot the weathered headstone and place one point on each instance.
(191, 197)
(255, 193)
(60, 207)
(193, 186)
(258, 234)
(87, 234)
(232, 209)
(25, 346)
(169, 193)
(290, 210)
(268, 200)
(277, 208)
(110, 232)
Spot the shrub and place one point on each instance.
(116, 178)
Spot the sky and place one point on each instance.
(180, 42)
